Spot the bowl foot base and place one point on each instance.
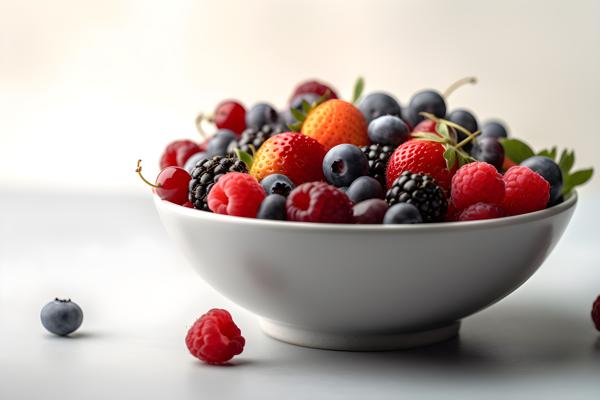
(358, 342)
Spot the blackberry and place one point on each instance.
(423, 192)
(254, 137)
(206, 173)
(378, 156)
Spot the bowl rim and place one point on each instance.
(567, 204)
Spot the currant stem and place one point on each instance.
(469, 138)
(461, 82)
(200, 118)
(139, 172)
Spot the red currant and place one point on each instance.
(178, 150)
(231, 115)
(171, 183)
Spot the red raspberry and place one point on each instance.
(172, 156)
(319, 202)
(596, 313)
(526, 191)
(215, 338)
(477, 182)
(481, 211)
(236, 194)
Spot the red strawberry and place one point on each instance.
(420, 156)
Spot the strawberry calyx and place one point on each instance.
(446, 134)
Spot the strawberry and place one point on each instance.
(297, 156)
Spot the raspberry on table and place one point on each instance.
(480, 211)
(236, 193)
(215, 338)
(526, 191)
(477, 182)
(319, 202)
(596, 313)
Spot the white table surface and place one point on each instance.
(110, 254)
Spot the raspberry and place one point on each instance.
(526, 191)
(596, 313)
(477, 182)
(319, 202)
(236, 194)
(481, 211)
(172, 156)
(215, 338)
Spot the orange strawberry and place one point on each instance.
(297, 156)
(334, 122)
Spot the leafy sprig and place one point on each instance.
(518, 151)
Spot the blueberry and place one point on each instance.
(194, 158)
(272, 207)
(467, 120)
(402, 213)
(550, 171)
(61, 317)
(261, 114)
(494, 129)
(364, 188)
(343, 164)
(388, 129)
(277, 184)
(217, 146)
(489, 150)
(426, 101)
(370, 211)
(377, 104)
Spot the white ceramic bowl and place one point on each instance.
(364, 287)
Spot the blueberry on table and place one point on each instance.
(217, 146)
(277, 184)
(402, 213)
(426, 101)
(261, 114)
(388, 129)
(494, 129)
(364, 188)
(343, 164)
(61, 317)
(272, 207)
(377, 104)
(550, 171)
(489, 150)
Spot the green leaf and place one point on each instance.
(305, 107)
(432, 137)
(450, 156)
(295, 127)
(358, 89)
(516, 150)
(566, 162)
(245, 157)
(442, 129)
(576, 178)
(545, 153)
(299, 115)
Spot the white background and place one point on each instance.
(87, 87)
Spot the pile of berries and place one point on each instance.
(365, 161)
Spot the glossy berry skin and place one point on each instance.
(420, 156)
(426, 101)
(173, 184)
(294, 155)
(364, 188)
(178, 152)
(426, 125)
(218, 145)
(467, 120)
(370, 211)
(596, 313)
(231, 115)
(314, 87)
(477, 182)
(193, 160)
(489, 150)
(277, 184)
(215, 338)
(479, 211)
(389, 130)
(377, 104)
(261, 114)
(272, 207)
(402, 213)
(237, 194)
(343, 164)
(61, 317)
(526, 191)
(494, 129)
(550, 171)
(335, 122)
(319, 202)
